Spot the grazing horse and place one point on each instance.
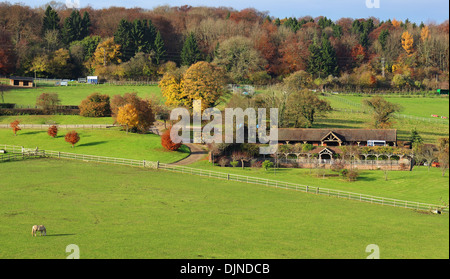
(37, 228)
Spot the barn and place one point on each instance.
(338, 137)
(21, 81)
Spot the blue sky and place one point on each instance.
(415, 10)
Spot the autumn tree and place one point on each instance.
(167, 142)
(15, 126)
(304, 106)
(48, 102)
(144, 109)
(128, 116)
(7, 53)
(203, 81)
(408, 42)
(424, 33)
(107, 52)
(382, 111)
(172, 87)
(95, 105)
(52, 131)
(72, 138)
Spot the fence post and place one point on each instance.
(157, 164)
(228, 176)
(143, 163)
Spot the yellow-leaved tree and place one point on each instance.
(128, 116)
(171, 85)
(408, 42)
(424, 34)
(202, 81)
(107, 52)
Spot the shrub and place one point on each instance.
(352, 175)
(267, 164)
(167, 142)
(95, 105)
(223, 161)
(48, 102)
(234, 163)
(72, 138)
(15, 126)
(343, 172)
(52, 131)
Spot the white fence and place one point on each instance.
(233, 177)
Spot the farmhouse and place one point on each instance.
(21, 81)
(338, 137)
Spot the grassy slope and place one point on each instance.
(101, 142)
(430, 132)
(419, 185)
(416, 106)
(134, 213)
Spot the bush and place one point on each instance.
(167, 142)
(343, 172)
(352, 175)
(223, 161)
(48, 102)
(52, 131)
(267, 164)
(95, 105)
(72, 138)
(234, 163)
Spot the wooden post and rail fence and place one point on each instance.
(15, 152)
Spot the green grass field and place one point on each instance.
(430, 132)
(124, 212)
(411, 105)
(73, 95)
(101, 142)
(418, 185)
(58, 119)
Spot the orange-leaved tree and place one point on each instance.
(408, 42)
(15, 126)
(167, 142)
(72, 138)
(128, 116)
(52, 131)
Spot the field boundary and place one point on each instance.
(230, 177)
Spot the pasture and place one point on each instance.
(73, 95)
(131, 212)
(109, 142)
(420, 185)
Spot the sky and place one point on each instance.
(426, 11)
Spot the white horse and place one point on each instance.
(37, 228)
